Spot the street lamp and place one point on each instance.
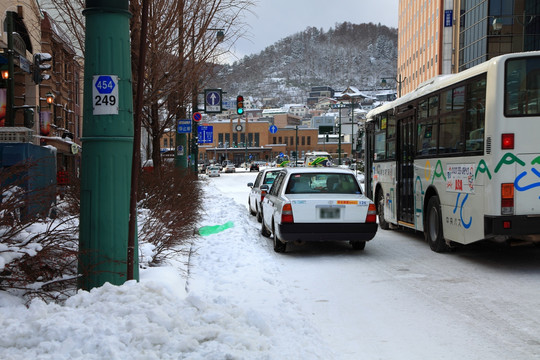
(399, 81)
(339, 134)
(50, 98)
(296, 143)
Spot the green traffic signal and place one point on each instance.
(239, 104)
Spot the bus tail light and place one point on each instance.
(371, 214)
(507, 142)
(286, 214)
(507, 199)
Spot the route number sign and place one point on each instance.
(105, 94)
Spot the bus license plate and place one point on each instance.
(329, 213)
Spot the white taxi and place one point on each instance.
(317, 204)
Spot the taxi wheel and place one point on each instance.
(264, 231)
(358, 245)
(279, 247)
(250, 210)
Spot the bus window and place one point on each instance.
(380, 137)
(391, 138)
(450, 133)
(522, 82)
(427, 138)
(476, 113)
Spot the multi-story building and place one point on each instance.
(47, 101)
(19, 100)
(447, 36)
(488, 28)
(319, 92)
(61, 121)
(237, 140)
(420, 42)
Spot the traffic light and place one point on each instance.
(39, 66)
(240, 105)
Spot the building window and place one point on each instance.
(309, 140)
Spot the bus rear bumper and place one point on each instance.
(512, 225)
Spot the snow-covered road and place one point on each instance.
(399, 300)
(396, 300)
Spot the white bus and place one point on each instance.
(459, 157)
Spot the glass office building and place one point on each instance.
(488, 28)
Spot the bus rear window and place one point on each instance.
(522, 83)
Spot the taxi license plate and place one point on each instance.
(329, 213)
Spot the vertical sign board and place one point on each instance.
(105, 95)
(448, 14)
(206, 134)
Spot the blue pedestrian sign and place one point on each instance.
(184, 126)
(105, 95)
(212, 101)
(273, 129)
(206, 134)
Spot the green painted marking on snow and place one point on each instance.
(214, 229)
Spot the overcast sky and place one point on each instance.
(274, 20)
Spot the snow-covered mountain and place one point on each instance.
(357, 55)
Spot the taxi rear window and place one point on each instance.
(322, 183)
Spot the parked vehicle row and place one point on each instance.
(304, 204)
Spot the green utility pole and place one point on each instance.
(107, 146)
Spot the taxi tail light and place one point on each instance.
(507, 199)
(286, 214)
(371, 214)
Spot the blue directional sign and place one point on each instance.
(105, 84)
(206, 134)
(273, 129)
(184, 126)
(212, 101)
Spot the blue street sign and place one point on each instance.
(206, 134)
(105, 84)
(213, 98)
(273, 129)
(184, 126)
(212, 101)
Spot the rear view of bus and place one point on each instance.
(514, 148)
(459, 157)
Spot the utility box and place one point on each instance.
(34, 170)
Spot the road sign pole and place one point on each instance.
(180, 152)
(108, 146)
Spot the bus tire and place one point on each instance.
(383, 224)
(433, 231)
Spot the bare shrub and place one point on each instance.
(37, 253)
(173, 201)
